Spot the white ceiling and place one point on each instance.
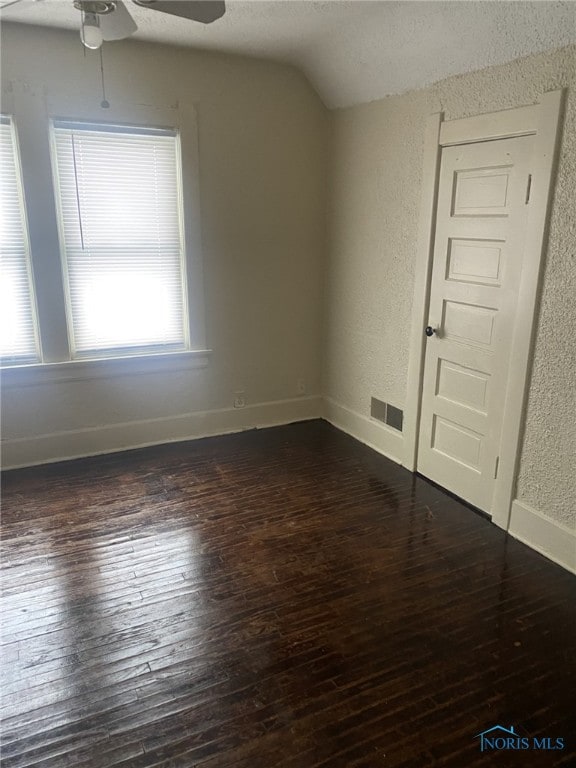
(354, 51)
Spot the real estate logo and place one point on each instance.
(500, 738)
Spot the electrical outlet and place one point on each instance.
(301, 387)
(239, 401)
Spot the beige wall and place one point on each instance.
(262, 161)
(375, 193)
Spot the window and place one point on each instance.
(18, 343)
(119, 199)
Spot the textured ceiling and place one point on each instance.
(357, 51)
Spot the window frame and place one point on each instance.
(33, 109)
(14, 362)
(119, 352)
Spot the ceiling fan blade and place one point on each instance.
(204, 11)
(8, 3)
(118, 24)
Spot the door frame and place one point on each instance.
(543, 121)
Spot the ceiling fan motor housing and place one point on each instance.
(99, 7)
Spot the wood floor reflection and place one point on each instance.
(283, 597)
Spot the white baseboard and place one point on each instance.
(110, 438)
(387, 441)
(553, 540)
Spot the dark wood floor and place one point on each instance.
(278, 598)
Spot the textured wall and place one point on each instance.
(262, 158)
(375, 187)
(262, 161)
(355, 51)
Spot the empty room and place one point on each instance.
(288, 384)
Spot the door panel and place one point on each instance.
(469, 323)
(457, 442)
(481, 192)
(474, 261)
(480, 223)
(461, 385)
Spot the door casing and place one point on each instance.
(543, 121)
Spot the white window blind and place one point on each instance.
(120, 211)
(17, 323)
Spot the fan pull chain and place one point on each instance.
(105, 104)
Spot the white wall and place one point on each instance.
(265, 144)
(377, 152)
(262, 162)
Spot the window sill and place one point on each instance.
(102, 368)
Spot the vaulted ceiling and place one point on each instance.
(354, 51)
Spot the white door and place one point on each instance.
(480, 225)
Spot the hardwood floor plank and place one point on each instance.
(283, 597)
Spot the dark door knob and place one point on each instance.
(430, 331)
